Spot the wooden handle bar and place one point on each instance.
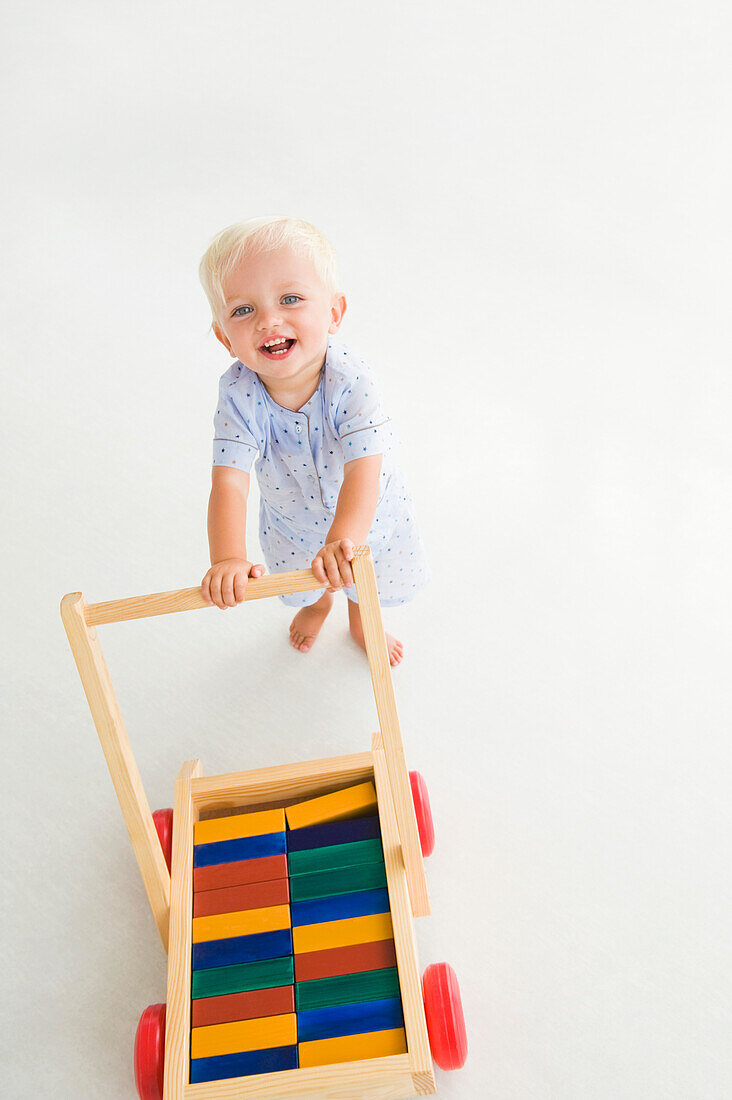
(190, 599)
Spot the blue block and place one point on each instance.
(329, 1023)
(242, 949)
(340, 907)
(232, 851)
(242, 1065)
(333, 832)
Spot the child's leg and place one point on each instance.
(306, 625)
(395, 648)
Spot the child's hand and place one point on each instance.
(225, 584)
(331, 565)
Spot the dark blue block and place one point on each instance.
(242, 949)
(241, 1065)
(340, 907)
(333, 832)
(329, 1023)
(246, 847)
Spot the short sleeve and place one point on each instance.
(363, 425)
(234, 442)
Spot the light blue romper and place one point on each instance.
(300, 471)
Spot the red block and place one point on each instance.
(345, 960)
(242, 1006)
(221, 875)
(235, 899)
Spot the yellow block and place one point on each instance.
(239, 825)
(352, 1048)
(269, 1031)
(332, 807)
(244, 923)
(342, 933)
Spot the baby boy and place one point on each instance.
(307, 407)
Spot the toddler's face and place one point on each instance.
(278, 296)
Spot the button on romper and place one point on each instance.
(300, 465)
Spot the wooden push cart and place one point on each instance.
(163, 845)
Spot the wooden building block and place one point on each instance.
(377, 955)
(327, 1023)
(340, 907)
(344, 880)
(370, 985)
(353, 1048)
(234, 899)
(247, 847)
(239, 873)
(239, 825)
(335, 857)
(333, 832)
(243, 1064)
(242, 949)
(243, 1006)
(262, 974)
(342, 933)
(351, 802)
(217, 1039)
(246, 922)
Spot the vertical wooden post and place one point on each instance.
(115, 743)
(378, 655)
(178, 1019)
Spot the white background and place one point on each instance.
(531, 205)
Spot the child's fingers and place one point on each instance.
(257, 570)
(240, 585)
(345, 571)
(206, 587)
(227, 589)
(331, 569)
(319, 569)
(347, 548)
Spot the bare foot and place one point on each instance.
(393, 645)
(306, 625)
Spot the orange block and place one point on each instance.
(352, 1048)
(245, 923)
(336, 806)
(217, 1039)
(236, 826)
(342, 933)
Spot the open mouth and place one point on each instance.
(279, 348)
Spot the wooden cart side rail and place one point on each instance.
(415, 1022)
(120, 760)
(178, 1013)
(378, 655)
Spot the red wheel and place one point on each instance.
(164, 824)
(150, 1053)
(421, 801)
(445, 1021)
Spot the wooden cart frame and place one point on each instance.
(170, 895)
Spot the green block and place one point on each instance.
(244, 977)
(346, 880)
(347, 989)
(335, 856)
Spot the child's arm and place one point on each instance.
(226, 581)
(354, 516)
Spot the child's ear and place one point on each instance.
(337, 309)
(222, 337)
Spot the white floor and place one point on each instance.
(531, 208)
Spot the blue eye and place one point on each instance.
(291, 297)
(238, 311)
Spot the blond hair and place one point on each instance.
(245, 239)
